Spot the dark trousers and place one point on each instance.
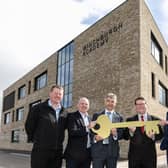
(46, 159)
(132, 163)
(108, 163)
(71, 163)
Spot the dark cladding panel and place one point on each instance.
(9, 101)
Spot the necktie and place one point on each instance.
(109, 115)
(86, 121)
(142, 128)
(57, 113)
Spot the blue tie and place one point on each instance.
(109, 115)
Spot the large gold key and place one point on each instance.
(105, 126)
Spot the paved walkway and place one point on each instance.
(18, 160)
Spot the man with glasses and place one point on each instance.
(142, 151)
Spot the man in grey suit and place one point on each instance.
(105, 152)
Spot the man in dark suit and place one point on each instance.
(164, 142)
(105, 152)
(77, 152)
(45, 127)
(142, 151)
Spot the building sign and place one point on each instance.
(101, 39)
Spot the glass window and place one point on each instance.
(7, 118)
(41, 81)
(162, 95)
(15, 136)
(9, 101)
(59, 59)
(22, 92)
(67, 53)
(153, 84)
(19, 114)
(166, 69)
(65, 73)
(156, 50)
(29, 87)
(63, 56)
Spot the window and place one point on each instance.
(41, 81)
(153, 84)
(7, 118)
(15, 136)
(22, 92)
(29, 87)
(166, 64)
(156, 50)
(65, 72)
(19, 114)
(9, 101)
(162, 94)
(13, 116)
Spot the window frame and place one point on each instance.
(38, 79)
(22, 92)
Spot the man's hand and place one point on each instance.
(132, 129)
(91, 124)
(151, 135)
(98, 138)
(163, 122)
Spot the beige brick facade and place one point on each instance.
(113, 55)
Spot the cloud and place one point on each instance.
(90, 19)
(164, 8)
(32, 30)
(160, 14)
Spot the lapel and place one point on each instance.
(103, 112)
(79, 119)
(149, 118)
(115, 117)
(136, 118)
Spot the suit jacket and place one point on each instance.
(164, 142)
(43, 129)
(141, 146)
(97, 148)
(77, 138)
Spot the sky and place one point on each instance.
(32, 30)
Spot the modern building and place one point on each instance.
(124, 52)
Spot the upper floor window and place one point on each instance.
(7, 118)
(162, 94)
(41, 81)
(22, 92)
(153, 84)
(9, 101)
(15, 136)
(29, 87)
(65, 72)
(19, 114)
(166, 68)
(156, 50)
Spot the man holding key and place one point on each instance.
(142, 151)
(105, 152)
